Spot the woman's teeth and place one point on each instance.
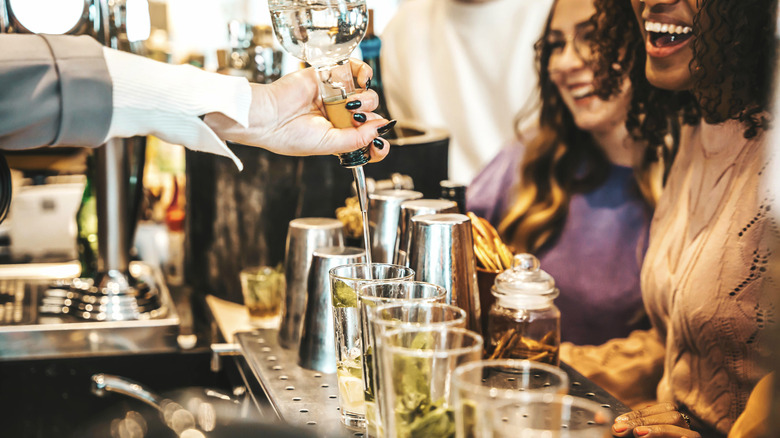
(663, 35)
(652, 26)
(579, 93)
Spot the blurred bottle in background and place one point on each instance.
(454, 191)
(87, 225)
(174, 220)
(252, 53)
(370, 48)
(160, 236)
(266, 61)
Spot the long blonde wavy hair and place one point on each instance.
(562, 160)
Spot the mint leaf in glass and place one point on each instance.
(343, 295)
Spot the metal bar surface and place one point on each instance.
(304, 397)
(37, 336)
(298, 396)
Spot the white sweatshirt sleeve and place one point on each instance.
(164, 100)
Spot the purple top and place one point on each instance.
(597, 257)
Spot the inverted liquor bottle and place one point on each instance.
(324, 34)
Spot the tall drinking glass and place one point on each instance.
(392, 316)
(345, 281)
(417, 367)
(482, 386)
(545, 415)
(369, 297)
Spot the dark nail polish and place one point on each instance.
(359, 117)
(368, 83)
(379, 144)
(355, 104)
(384, 129)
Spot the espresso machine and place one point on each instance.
(125, 306)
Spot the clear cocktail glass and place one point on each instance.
(372, 296)
(481, 387)
(416, 378)
(345, 281)
(547, 415)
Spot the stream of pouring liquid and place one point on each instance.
(360, 185)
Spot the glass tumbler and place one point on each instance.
(480, 386)
(546, 415)
(345, 281)
(263, 290)
(372, 295)
(417, 367)
(391, 316)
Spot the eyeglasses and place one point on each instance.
(582, 40)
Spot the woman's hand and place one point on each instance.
(286, 117)
(661, 420)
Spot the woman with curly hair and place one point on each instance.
(705, 269)
(578, 193)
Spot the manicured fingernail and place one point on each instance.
(384, 129)
(641, 431)
(355, 104)
(359, 117)
(379, 144)
(368, 83)
(620, 427)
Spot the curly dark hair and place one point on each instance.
(733, 59)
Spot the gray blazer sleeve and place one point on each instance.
(54, 90)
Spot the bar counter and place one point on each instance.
(285, 391)
(309, 398)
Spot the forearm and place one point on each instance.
(72, 91)
(64, 90)
(629, 368)
(153, 98)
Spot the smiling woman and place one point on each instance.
(578, 193)
(723, 63)
(705, 271)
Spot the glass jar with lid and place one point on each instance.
(524, 323)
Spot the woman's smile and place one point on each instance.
(581, 91)
(668, 30)
(664, 39)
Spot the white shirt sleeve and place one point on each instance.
(164, 100)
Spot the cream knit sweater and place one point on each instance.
(702, 284)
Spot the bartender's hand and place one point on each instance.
(286, 117)
(661, 420)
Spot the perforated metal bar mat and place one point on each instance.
(309, 398)
(299, 396)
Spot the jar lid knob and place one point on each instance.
(525, 262)
(525, 277)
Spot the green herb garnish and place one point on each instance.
(343, 295)
(434, 420)
(368, 364)
(416, 414)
